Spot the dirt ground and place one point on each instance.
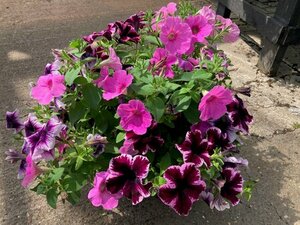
(29, 29)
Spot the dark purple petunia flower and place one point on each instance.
(13, 121)
(202, 126)
(234, 162)
(231, 185)
(91, 37)
(13, 156)
(32, 125)
(195, 149)
(239, 115)
(98, 143)
(22, 169)
(141, 144)
(137, 21)
(218, 140)
(183, 187)
(225, 125)
(126, 32)
(126, 174)
(42, 142)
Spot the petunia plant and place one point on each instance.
(142, 108)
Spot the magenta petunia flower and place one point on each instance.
(116, 85)
(176, 35)
(162, 62)
(162, 14)
(99, 196)
(42, 142)
(104, 74)
(195, 149)
(188, 64)
(200, 27)
(213, 104)
(183, 187)
(13, 121)
(209, 14)
(126, 174)
(113, 61)
(231, 185)
(134, 117)
(48, 87)
(233, 31)
(32, 171)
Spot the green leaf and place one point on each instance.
(77, 111)
(74, 197)
(183, 104)
(144, 90)
(80, 80)
(152, 39)
(52, 198)
(165, 162)
(91, 95)
(192, 113)
(120, 137)
(156, 106)
(57, 174)
(79, 162)
(71, 75)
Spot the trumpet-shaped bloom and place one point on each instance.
(13, 121)
(126, 174)
(213, 104)
(200, 27)
(209, 14)
(162, 62)
(232, 30)
(195, 149)
(126, 32)
(134, 117)
(32, 125)
(162, 14)
(218, 140)
(99, 196)
(48, 87)
(32, 171)
(116, 85)
(176, 35)
(113, 61)
(183, 187)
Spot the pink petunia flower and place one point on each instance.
(134, 117)
(162, 14)
(116, 85)
(104, 74)
(176, 35)
(233, 31)
(209, 14)
(162, 62)
(213, 104)
(188, 64)
(200, 27)
(113, 61)
(48, 87)
(31, 172)
(99, 196)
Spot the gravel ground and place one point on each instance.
(29, 29)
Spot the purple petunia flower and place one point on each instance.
(202, 126)
(231, 185)
(32, 125)
(13, 156)
(141, 144)
(137, 21)
(234, 162)
(225, 125)
(195, 149)
(239, 115)
(218, 140)
(42, 142)
(183, 187)
(126, 32)
(126, 174)
(13, 121)
(97, 142)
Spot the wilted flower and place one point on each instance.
(183, 187)
(48, 87)
(13, 121)
(209, 14)
(239, 115)
(32, 171)
(176, 35)
(232, 30)
(234, 162)
(126, 174)
(13, 156)
(134, 117)
(53, 68)
(213, 104)
(97, 142)
(162, 62)
(116, 85)
(99, 196)
(195, 149)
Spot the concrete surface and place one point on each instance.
(29, 29)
